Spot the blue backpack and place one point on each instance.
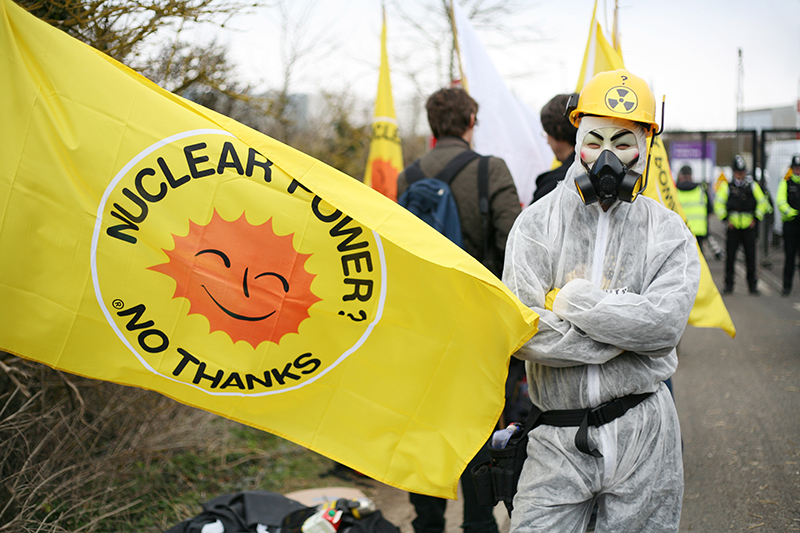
(432, 200)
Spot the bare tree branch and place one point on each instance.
(119, 27)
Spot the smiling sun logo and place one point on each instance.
(246, 280)
(221, 272)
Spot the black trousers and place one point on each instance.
(791, 246)
(747, 239)
(477, 518)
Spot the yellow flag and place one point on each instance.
(599, 56)
(709, 310)
(151, 242)
(385, 159)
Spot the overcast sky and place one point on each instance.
(686, 49)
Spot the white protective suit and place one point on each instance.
(628, 279)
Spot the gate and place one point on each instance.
(767, 153)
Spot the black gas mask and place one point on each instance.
(608, 180)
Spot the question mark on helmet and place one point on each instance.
(624, 79)
(361, 314)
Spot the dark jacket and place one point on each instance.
(503, 200)
(547, 181)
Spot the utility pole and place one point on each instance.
(740, 92)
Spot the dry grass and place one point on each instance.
(78, 455)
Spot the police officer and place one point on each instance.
(694, 201)
(788, 200)
(740, 203)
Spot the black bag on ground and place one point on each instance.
(261, 511)
(372, 523)
(243, 512)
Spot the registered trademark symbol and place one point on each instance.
(118, 304)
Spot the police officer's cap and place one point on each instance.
(796, 160)
(738, 163)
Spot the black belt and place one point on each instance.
(595, 417)
(496, 480)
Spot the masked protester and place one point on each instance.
(613, 276)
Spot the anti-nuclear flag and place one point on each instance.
(148, 241)
(385, 159)
(506, 128)
(709, 310)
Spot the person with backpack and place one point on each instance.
(487, 204)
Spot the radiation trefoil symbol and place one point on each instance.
(621, 100)
(219, 271)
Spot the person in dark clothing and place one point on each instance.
(789, 205)
(740, 204)
(451, 115)
(561, 138)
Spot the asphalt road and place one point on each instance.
(739, 406)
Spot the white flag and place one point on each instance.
(507, 128)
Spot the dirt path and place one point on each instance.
(396, 508)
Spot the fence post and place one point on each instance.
(767, 222)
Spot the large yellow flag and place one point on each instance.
(385, 159)
(709, 310)
(152, 242)
(599, 56)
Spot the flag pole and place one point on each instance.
(457, 48)
(615, 41)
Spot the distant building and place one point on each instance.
(772, 118)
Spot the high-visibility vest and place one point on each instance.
(695, 206)
(788, 198)
(741, 219)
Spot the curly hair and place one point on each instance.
(555, 123)
(449, 112)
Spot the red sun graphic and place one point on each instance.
(246, 280)
(384, 178)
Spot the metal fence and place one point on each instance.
(768, 152)
(710, 153)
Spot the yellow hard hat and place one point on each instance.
(617, 94)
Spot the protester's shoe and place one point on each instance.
(755, 292)
(786, 292)
(727, 290)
